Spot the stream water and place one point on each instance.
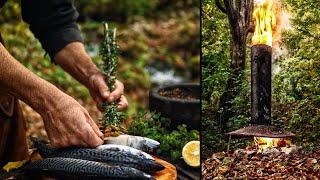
(163, 77)
(161, 73)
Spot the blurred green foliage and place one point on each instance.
(154, 126)
(296, 76)
(296, 87)
(215, 59)
(114, 10)
(127, 10)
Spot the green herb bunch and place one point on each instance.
(109, 50)
(155, 126)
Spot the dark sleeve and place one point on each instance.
(53, 22)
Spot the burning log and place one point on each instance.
(261, 84)
(264, 16)
(261, 52)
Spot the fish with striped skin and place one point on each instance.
(68, 168)
(110, 157)
(127, 149)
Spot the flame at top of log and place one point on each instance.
(264, 17)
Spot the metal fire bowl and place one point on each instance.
(261, 131)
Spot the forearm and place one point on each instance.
(23, 84)
(53, 22)
(74, 59)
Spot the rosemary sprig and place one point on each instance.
(109, 50)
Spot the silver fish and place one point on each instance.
(137, 142)
(127, 149)
(111, 157)
(66, 168)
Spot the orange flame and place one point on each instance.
(264, 15)
(264, 143)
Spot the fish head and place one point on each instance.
(143, 143)
(41, 146)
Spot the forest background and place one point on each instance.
(295, 79)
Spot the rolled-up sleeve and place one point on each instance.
(53, 22)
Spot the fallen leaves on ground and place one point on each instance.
(250, 164)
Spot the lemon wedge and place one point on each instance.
(14, 165)
(191, 153)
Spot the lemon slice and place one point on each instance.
(191, 153)
(14, 165)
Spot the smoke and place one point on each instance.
(285, 23)
(279, 52)
(283, 18)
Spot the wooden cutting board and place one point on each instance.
(169, 173)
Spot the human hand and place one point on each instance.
(74, 59)
(69, 124)
(100, 93)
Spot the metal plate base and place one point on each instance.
(261, 131)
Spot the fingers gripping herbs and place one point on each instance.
(109, 51)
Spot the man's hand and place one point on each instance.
(74, 59)
(69, 124)
(66, 122)
(100, 92)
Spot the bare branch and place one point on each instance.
(219, 5)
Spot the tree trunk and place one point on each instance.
(239, 14)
